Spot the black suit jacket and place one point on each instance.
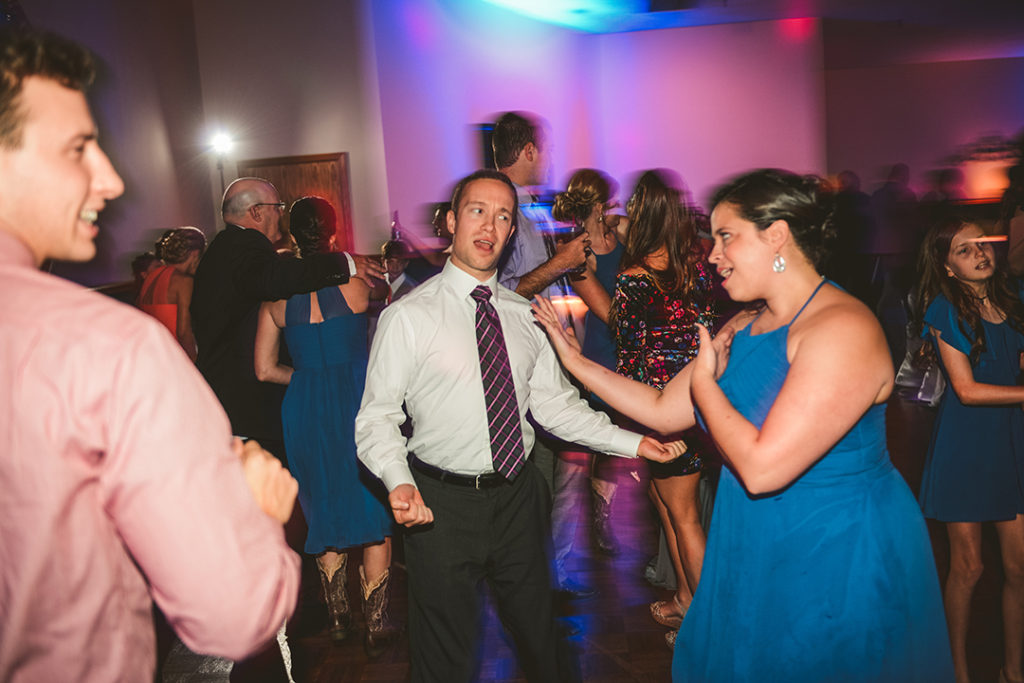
(238, 272)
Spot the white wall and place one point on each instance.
(147, 105)
(445, 67)
(294, 80)
(708, 102)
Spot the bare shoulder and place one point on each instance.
(841, 321)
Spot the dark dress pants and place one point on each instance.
(502, 535)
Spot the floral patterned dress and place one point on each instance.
(656, 336)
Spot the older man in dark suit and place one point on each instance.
(239, 270)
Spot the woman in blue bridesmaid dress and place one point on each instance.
(818, 566)
(343, 503)
(971, 311)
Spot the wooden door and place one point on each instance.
(321, 175)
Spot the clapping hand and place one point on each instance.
(713, 354)
(656, 451)
(564, 340)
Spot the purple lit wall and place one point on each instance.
(398, 84)
(707, 102)
(446, 66)
(713, 101)
(919, 114)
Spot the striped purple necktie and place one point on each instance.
(507, 450)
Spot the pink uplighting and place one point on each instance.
(797, 30)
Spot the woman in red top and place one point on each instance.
(167, 291)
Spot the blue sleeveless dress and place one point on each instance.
(830, 579)
(343, 503)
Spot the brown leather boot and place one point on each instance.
(336, 597)
(380, 630)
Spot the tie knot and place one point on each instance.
(482, 293)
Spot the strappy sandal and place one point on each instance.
(670, 639)
(659, 614)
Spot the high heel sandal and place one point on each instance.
(670, 620)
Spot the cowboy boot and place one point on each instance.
(336, 596)
(380, 631)
(603, 537)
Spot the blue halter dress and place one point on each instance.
(831, 578)
(343, 503)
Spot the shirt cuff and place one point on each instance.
(395, 475)
(351, 264)
(624, 444)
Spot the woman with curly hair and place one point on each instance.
(662, 293)
(583, 205)
(166, 292)
(971, 310)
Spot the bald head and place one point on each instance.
(252, 203)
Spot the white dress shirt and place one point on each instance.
(425, 355)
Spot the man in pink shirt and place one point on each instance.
(119, 482)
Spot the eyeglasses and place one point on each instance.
(280, 205)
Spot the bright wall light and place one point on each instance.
(222, 143)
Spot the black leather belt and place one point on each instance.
(486, 480)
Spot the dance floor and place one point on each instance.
(617, 639)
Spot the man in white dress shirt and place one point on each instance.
(467, 521)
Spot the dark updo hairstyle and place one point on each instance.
(658, 217)
(934, 280)
(587, 188)
(175, 245)
(312, 222)
(804, 202)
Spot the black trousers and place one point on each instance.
(501, 535)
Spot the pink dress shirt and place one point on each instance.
(118, 487)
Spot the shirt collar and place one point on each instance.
(462, 283)
(397, 282)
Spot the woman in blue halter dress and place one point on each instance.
(818, 566)
(344, 505)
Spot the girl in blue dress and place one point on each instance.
(973, 315)
(818, 566)
(342, 502)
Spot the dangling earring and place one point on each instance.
(778, 263)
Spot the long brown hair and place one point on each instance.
(933, 280)
(658, 218)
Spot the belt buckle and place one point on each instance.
(476, 481)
